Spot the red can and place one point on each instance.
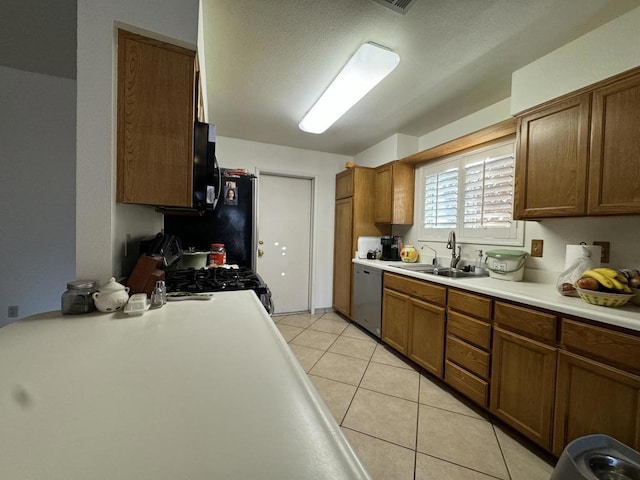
(218, 254)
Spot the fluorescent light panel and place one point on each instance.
(369, 66)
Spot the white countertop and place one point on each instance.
(542, 295)
(193, 390)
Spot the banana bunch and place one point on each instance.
(606, 279)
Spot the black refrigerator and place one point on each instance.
(232, 223)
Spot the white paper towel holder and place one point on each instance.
(574, 252)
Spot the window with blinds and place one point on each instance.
(488, 193)
(441, 199)
(473, 195)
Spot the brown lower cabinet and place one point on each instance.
(426, 335)
(413, 320)
(468, 356)
(593, 397)
(552, 379)
(395, 320)
(523, 384)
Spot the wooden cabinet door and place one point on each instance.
(551, 164)
(614, 170)
(594, 398)
(156, 114)
(522, 384)
(426, 339)
(344, 184)
(342, 255)
(394, 193)
(395, 320)
(383, 189)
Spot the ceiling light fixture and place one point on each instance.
(369, 66)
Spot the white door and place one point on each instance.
(285, 210)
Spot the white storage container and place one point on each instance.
(506, 264)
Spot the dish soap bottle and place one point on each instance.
(478, 266)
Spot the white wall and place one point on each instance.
(236, 153)
(393, 148)
(601, 53)
(37, 190)
(103, 226)
(471, 123)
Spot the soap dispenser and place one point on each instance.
(478, 266)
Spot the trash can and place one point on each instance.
(597, 457)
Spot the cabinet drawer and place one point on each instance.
(525, 320)
(474, 305)
(466, 383)
(473, 331)
(618, 348)
(468, 356)
(416, 288)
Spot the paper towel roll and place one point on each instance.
(574, 252)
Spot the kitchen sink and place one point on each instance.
(420, 268)
(454, 273)
(443, 271)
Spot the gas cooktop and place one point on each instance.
(218, 279)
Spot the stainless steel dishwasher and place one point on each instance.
(367, 298)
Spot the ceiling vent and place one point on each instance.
(398, 6)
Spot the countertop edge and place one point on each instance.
(535, 294)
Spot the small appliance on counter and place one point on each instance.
(368, 246)
(391, 246)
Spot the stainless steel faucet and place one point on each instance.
(435, 254)
(451, 245)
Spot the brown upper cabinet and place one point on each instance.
(394, 187)
(156, 115)
(580, 155)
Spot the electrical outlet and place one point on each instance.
(536, 248)
(13, 311)
(604, 258)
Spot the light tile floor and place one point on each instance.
(402, 423)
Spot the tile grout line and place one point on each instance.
(504, 458)
(415, 453)
(357, 386)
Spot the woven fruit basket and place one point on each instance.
(604, 299)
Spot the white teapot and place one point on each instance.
(112, 296)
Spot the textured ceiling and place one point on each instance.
(268, 61)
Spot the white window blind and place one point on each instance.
(441, 199)
(473, 195)
(488, 192)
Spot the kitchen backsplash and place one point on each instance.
(621, 232)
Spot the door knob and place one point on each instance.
(260, 252)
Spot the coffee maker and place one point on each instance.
(391, 246)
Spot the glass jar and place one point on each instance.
(409, 254)
(218, 254)
(78, 298)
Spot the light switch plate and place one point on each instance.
(536, 248)
(604, 258)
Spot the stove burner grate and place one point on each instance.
(217, 280)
